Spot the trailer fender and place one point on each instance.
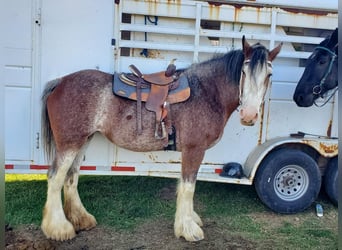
(326, 147)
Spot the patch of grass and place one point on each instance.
(222, 199)
(24, 201)
(309, 235)
(124, 203)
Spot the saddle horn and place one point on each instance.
(135, 71)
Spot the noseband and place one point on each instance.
(317, 89)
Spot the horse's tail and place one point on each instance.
(47, 136)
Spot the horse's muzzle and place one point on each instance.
(248, 116)
(303, 100)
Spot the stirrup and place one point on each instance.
(163, 132)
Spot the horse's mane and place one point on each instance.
(234, 60)
(324, 43)
(230, 64)
(233, 64)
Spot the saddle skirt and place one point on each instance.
(124, 85)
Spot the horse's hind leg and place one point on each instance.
(73, 207)
(187, 222)
(55, 225)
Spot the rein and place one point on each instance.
(317, 89)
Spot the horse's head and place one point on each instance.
(320, 74)
(255, 78)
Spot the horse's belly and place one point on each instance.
(122, 128)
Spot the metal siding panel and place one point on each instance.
(17, 57)
(18, 26)
(236, 143)
(285, 118)
(17, 76)
(79, 38)
(17, 124)
(99, 152)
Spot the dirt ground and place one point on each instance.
(148, 236)
(158, 235)
(151, 235)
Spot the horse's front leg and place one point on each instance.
(187, 222)
(73, 207)
(55, 225)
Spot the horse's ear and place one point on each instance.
(274, 52)
(246, 47)
(333, 39)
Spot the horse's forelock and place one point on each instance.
(258, 57)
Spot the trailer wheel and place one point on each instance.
(331, 181)
(288, 181)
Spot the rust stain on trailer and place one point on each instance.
(329, 129)
(261, 114)
(329, 149)
(214, 10)
(238, 9)
(325, 148)
(253, 3)
(171, 6)
(309, 12)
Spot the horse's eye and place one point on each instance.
(322, 61)
(243, 72)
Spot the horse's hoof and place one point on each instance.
(190, 231)
(61, 231)
(84, 222)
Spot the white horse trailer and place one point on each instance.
(48, 39)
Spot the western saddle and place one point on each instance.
(157, 90)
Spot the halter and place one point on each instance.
(317, 89)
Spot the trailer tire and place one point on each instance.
(331, 181)
(288, 181)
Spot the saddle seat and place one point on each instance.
(156, 90)
(158, 78)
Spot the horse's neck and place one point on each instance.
(216, 88)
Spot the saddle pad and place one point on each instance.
(179, 94)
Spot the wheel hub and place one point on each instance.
(291, 182)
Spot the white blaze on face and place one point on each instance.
(252, 91)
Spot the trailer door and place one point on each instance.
(17, 77)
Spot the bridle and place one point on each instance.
(242, 81)
(317, 89)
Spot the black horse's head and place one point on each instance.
(320, 74)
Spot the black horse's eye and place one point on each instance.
(323, 61)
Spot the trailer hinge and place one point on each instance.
(37, 140)
(38, 17)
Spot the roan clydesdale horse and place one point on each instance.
(82, 103)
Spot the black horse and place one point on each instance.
(320, 75)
